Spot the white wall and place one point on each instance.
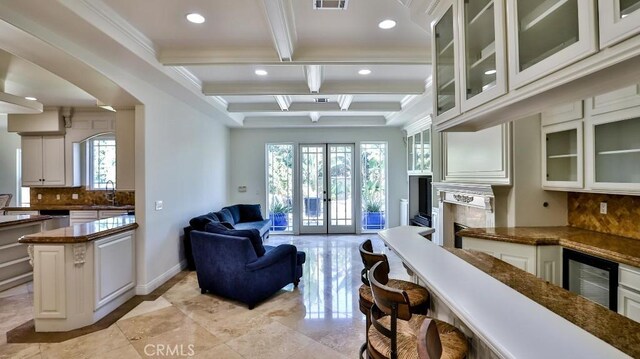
(9, 143)
(247, 159)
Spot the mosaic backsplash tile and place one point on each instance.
(85, 197)
(622, 218)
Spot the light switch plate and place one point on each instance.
(242, 189)
(603, 207)
(159, 205)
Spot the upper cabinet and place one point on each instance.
(619, 20)
(43, 161)
(445, 42)
(419, 148)
(483, 52)
(548, 35)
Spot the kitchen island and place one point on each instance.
(14, 260)
(504, 319)
(81, 272)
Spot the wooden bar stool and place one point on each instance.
(418, 296)
(397, 333)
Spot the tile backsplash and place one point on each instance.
(622, 218)
(85, 197)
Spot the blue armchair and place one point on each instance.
(229, 266)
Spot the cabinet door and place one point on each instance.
(614, 151)
(483, 47)
(31, 161)
(410, 153)
(547, 36)
(418, 155)
(562, 157)
(619, 20)
(53, 160)
(444, 40)
(629, 304)
(426, 151)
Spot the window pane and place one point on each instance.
(280, 186)
(374, 185)
(103, 162)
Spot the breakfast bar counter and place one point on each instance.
(501, 315)
(84, 232)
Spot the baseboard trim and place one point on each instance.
(144, 289)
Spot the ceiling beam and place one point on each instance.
(305, 121)
(328, 88)
(314, 75)
(282, 24)
(283, 101)
(267, 107)
(344, 101)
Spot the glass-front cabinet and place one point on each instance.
(445, 71)
(547, 36)
(483, 48)
(619, 20)
(419, 152)
(615, 150)
(562, 158)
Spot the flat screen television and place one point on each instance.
(424, 196)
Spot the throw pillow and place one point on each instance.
(252, 234)
(250, 212)
(225, 216)
(198, 223)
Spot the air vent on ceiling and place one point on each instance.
(322, 100)
(330, 4)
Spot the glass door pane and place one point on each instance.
(417, 143)
(617, 151)
(628, 6)
(562, 156)
(480, 48)
(426, 150)
(445, 63)
(341, 189)
(374, 185)
(545, 27)
(312, 189)
(589, 282)
(280, 186)
(410, 153)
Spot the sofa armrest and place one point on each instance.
(280, 253)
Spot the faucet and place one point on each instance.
(111, 195)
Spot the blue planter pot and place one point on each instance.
(373, 220)
(279, 221)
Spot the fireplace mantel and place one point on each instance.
(466, 194)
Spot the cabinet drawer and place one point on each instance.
(629, 304)
(113, 213)
(84, 214)
(16, 213)
(629, 276)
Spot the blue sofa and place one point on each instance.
(229, 265)
(239, 216)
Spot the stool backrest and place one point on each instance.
(5, 199)
(369, 258)
(429, 345)
(391, 301)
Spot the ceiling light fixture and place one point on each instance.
(364, 72)
(490, 72)
(195, 18)
(31, 98)
(387, 24)
(261, 72)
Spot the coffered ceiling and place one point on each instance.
(311, 57)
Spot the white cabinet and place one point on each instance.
(444, 40)
(79, 217)
(483, 58)
(419, 152)
(111, 213)
(619, 19)
(562, 157)
(626, 97)
(629, 292)
(43, 161)
(548, 35)
(545, 262)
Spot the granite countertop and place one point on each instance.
(616, 248)
(83, 232)
(7, 221)
(70, 207)
(611, 327)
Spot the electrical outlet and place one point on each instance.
(603, 207)
(242, 188)
(159, 205)
(74, 196)
(58, 197)
(39, 195)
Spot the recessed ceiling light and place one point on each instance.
(490, 72)
(261, 72)
(364, 72)
(387, 24)
(30, 98)
(195, 18)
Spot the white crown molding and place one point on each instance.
(418, 125)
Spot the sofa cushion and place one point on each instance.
(261, 226)
(301, 256)
(235, 213)
(225, 216)
(198, 223)
(252, 234)
(250, 213)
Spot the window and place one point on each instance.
(102, 161)
(374, 185)
(280, 186)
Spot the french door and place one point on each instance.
(327, 181)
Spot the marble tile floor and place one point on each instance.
(319, 319)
